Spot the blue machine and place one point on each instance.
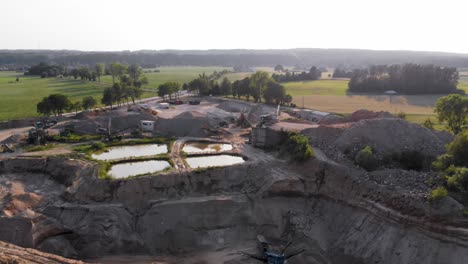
(270, 257)
(275, 258)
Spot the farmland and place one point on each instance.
(331, 96)
(19, 99)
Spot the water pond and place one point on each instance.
(123, 152)
(214, 161)
(205, 147)
(124, 170)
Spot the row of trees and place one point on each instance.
(313, 74)
(261, 85)
(116, 70)
(45, 70)
(57, 104)
(341, 73)
(406, 79)
(127, 82)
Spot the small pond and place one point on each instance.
(205, 147)
(214, 161)
(123, 152)
(124, 170)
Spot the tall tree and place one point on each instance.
(99, 69)
(88, 102)
(202, 84)
(53, 104)
(134, 70)
(108, 97)
(117, 70)
(279, 68)
(274, 93)
(226, 86)
(258, 84)
(453, 109)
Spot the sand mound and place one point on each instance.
(234, 107)
(190, 114)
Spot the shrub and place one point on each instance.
(443, 162)
(439, 193)
(457, 178)
(401, 115)
(428, 124)
(365, 159)
(458, 148)
(297, 147)
(98, 146)
(103, 170)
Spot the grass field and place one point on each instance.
(319, 87)
(19, 100)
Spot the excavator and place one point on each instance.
(270, 257)
(6, 148)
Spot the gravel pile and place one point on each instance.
(354, 117)
(410, 180)
(387, 136)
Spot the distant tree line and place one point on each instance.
(405, 79)
(251, 58)
(313, 74)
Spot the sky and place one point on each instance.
(112, 25)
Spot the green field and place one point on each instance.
(319, 87)
(19, 100)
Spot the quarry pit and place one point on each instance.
(218, 191)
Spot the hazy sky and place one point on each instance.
(221, 24)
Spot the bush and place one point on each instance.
(297, 147)
(457, 178)
(458, 148)
(401, 115)
(365, 159)
(428, 124)
(439, 193)
(443, 162)
(98, 146)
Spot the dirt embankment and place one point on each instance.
(330, 210)
(12, 254)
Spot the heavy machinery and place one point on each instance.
(6, 148)
(38, 136)
(270, 257)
